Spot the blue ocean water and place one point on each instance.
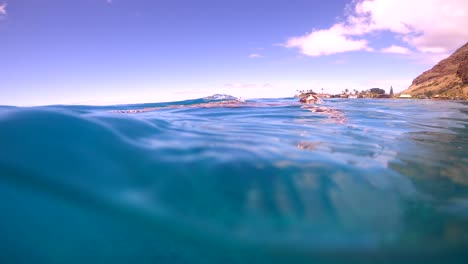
(263, 181)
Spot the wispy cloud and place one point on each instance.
(339, 62)
(3, 11)
(255, 56)
(436, 27)
(247, 85)
(256, 89)
(396, 49)
(397, 84)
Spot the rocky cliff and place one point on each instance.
(449, 78)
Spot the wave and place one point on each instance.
(274, 183)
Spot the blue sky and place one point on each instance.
(131, 51)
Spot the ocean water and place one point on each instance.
(210, 181)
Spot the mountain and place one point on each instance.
(448, 78)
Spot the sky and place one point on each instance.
(140, 51)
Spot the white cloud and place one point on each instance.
(3, 11)
(325, 42)
(255, 56)
(396, 49)
(428, 26)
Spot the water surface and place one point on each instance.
(376, 181)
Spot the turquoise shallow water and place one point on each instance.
(376, 181)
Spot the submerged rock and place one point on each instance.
(310, 99)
